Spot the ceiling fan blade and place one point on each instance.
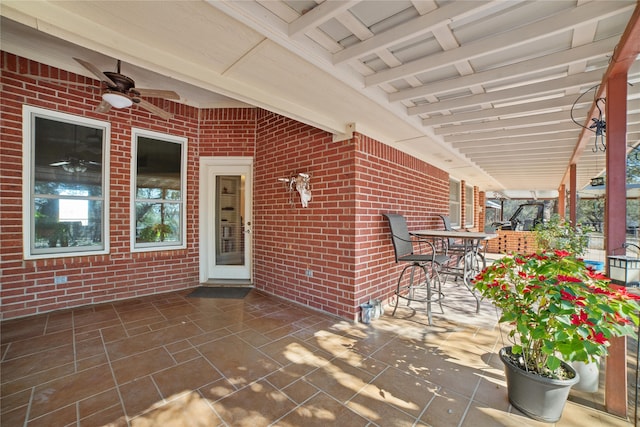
(152, 108)
(103, 107)
(157, 93)
(96, 72)
(64, 162)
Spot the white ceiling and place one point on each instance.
(482, 89)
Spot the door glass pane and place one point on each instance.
(229, 220)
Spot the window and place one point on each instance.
(468, 206)
(158, 191)
(454, 203)
(65, 181)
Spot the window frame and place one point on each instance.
(469, 206)
(183, 142)
(29, 116)
(455, 206)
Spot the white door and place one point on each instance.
(225, 218)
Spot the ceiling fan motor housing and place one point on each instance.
(123, 83)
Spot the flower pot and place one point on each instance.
(589, 376)
(538, 397)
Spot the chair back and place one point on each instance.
(447, 226)
(400, 236)
(447, 222)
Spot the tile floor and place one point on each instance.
(172, 360)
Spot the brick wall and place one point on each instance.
(522, 242)
(27, 286)
(290, 239)
(341, 238)
(388, 180)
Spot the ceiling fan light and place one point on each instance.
(117, 100)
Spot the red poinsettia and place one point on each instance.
(559, 308)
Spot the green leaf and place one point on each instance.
(553, 362)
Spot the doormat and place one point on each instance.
(220, 292)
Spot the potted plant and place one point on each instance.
(558, 233)
(560, 310)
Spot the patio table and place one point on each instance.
(466, 266)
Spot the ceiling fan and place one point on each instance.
(72, 164)
(122, 91)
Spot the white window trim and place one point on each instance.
(458, 218)
(469, 222)
(158, 246)
(28, 114)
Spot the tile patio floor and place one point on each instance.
(172, 360)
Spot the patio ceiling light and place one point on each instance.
(117, 100)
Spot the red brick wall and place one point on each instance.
(389, 180)
(290, 239)
(341, 237)
(27, 286)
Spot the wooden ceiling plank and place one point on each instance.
(564, 102)
(492, 148)
(513, 133)
(319, 15)
(354, 25)
(521, 92)
(552, 61)
(515, 122)
(553, 25)
(280, 9)
(409, 30)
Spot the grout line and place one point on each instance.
(6, 351)
(28, 413)
(73, 339)
(471, 399)
(115, 381)
(46, 325)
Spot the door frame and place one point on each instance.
(207, 245)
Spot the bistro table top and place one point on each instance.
(455, 234)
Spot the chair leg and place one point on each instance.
(437, 279)
(426, 274)
(437, 283)
(398, 290)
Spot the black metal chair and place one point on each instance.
(452, 246)
(459, 250)
(426, 260)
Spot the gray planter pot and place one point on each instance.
(538, 397)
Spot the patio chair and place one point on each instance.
(452, 246)
(408, 249)
(458, 249)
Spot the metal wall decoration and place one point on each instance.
(301, 183)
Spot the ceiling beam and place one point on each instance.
(548, 87)
(555, 61)
(415, 28)
(558, 136)
(514, 122)
(511, 133)
(553, 25)
(319, 15)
